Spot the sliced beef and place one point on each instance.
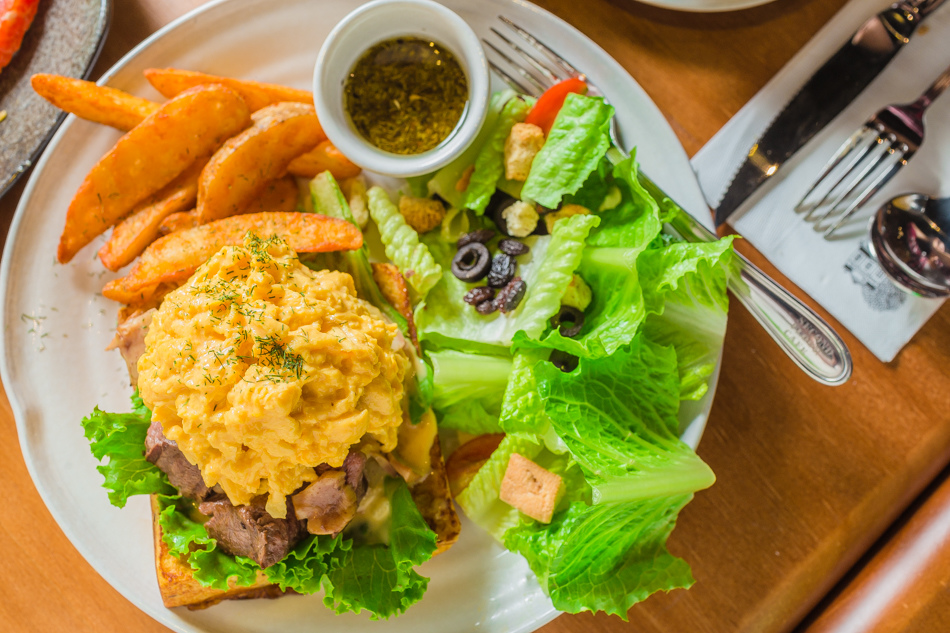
(353, 466)
(329, 503)
(130, 340)
(182, 474)
(250, 531)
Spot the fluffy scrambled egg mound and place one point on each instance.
(260, 369)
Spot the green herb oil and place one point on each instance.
(406, 95)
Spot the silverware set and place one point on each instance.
(804, 336)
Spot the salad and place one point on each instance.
(593, 328)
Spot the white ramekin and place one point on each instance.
(382, 20)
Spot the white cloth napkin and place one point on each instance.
(840, 273)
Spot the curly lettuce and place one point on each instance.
(121, 438)
(402, 243)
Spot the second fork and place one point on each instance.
(868, 160)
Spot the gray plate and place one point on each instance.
(65, 39)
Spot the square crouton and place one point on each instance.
(530, 488)
(521, 146)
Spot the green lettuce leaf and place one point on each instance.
(445, 320)
(490, 163)
(617, 417)
(402, 243)
(121, 438)
(187, 538)
(604, 557)
(380, 579)
(609, 267)
(575, 146)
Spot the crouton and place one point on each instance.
(521, 146)
(521, 219)
(578, 294)
(422, 214)
(531, 489)
(564, 212)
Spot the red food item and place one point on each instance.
(16, 16)
(549, 104)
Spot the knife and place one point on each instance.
(825, 95)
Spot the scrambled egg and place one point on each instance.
(260, 369)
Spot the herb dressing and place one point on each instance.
(406, 95)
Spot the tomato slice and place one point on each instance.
(549, 103)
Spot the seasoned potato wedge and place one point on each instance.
(149, 157)
(141, 227)
(99, 104)
(324, 157)
(175, 257)
(172, 81)
(279, 196)
(393, 286)
(178, 222)
(468, 458)
(238, 173)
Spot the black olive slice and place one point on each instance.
(569, 321)
(471, 262)
(564, 361)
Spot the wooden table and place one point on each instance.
(809, 477)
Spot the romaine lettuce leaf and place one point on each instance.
(445, 320)
(121, 438)
(603, 557)
(574, 147)
(490, 163)
(617, 416)
(402, 243)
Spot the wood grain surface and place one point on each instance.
(903, 584)
(808, 476)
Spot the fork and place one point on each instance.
(803, 335)
(871, 156)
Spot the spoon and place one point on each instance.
(910, 236)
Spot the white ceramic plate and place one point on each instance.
(55, 324)
(706, 6)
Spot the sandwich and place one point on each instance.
(282, 436)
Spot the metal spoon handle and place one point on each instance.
(803, 335)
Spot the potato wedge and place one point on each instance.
(172, 81)
(149, 157)
(324, 157)
(175, 257)
(99, 104)
(468, 458)
(279, 196)
(178, 222)
(393, 286)
(238, 173)
(141, 227)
